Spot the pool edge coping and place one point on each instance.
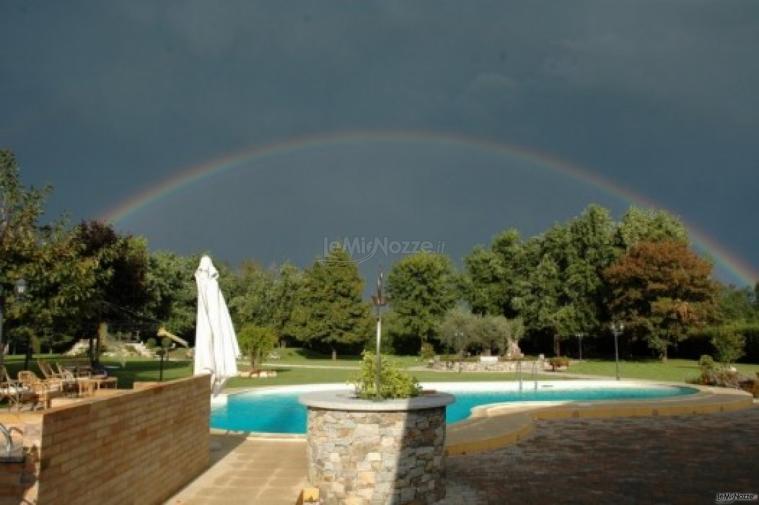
(506, 424)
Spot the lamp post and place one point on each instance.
(579, 339)
(379, 301)
(2, 344)
(617, 328)
(20, 290)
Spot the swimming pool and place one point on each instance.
(277, 410)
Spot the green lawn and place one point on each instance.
(298, 356)
(140, 369)
(136, 369)
(676, 370)
(288, 376)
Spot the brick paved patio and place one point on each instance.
(679, 460)
(643, 460)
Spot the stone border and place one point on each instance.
(348, 401)
(498, 425)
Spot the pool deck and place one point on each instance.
(244, 470)
(495, 426)
(272, 470)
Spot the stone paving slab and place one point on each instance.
(652, 460)
(498, 425)
(243, 471)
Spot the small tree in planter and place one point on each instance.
(394, 382)
(257, 342)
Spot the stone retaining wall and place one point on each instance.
(368, 458)
(499, 366)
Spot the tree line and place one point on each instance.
(572, 280)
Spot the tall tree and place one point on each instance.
(649, 225)
(267, 297)
(253, 301)
(660, 290)
(492, 275)
(541, 305)
(422, 288)
(20, 212)
(60, 282)
(171, 292)
(590, 252)
(736, 304)
(121, 289)
(330, 310)
(287, 286)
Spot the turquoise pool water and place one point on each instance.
(281, 412)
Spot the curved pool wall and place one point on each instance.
(277, 410)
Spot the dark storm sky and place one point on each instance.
(105, 99)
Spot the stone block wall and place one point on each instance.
(498, 366)
(368, 458)
(134, 447)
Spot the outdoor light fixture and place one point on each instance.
(617, 328)
(20, 289)
(579, 339)
(379, 301)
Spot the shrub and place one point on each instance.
(558, 362)
(700, 339)
(706, 364)
(256, 342)
(713, 374)
(729, 344)
(394, 382)
(427, 352)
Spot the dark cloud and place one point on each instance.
(104, 99)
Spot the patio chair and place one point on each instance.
(15, 393)
(69, 384)
(98, 376)
(79, 368)
(46, 390)
(47, 370)
(78, 385)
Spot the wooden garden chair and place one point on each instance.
(15, 393)
(100, 381)
(81, 385)
(47, 370)
(46, 390)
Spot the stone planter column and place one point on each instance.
(363, 452)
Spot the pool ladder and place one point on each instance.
(534, 374)
(519, 374)
(10, 453)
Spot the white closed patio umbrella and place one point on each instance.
(216, 348)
